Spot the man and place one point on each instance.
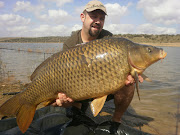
(93, 18)
(53, 120)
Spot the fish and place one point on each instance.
(90, 70)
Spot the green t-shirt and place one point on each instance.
(76, 38)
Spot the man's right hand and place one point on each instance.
(63, 100)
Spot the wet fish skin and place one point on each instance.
(86, 67)
(92, 70)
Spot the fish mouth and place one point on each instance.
(162, 54)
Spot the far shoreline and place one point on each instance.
(148, 39)
(163, 44)
(177, 44)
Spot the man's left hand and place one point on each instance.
(130, 79)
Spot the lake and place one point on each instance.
(160, 99)
(20, 59)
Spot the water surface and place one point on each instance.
(20, 59)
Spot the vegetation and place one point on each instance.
(140, 38)
(144, 38)
(53, 39)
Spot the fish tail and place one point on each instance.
(11, 106)
(25, 116)
(24, 112)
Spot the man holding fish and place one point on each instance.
(93, 18)
(96, 69)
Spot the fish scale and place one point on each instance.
(91, 70)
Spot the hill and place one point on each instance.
(139, 38)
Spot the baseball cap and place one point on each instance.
(94, 5)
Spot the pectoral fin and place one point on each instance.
(97, 104)
(49, 102)
(146, 78)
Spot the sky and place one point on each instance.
(39, 18)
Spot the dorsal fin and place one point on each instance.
(36, 71)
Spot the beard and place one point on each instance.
(94, 33)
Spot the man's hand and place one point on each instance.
(63, 100)
(130, 79)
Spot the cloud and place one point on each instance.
(141, 29)
(13, 25)
(48, 20)
(152, 29)
(57, 13)
(13, 20)
(1, 4)
(50, 16)
(120, 28)
(79, 10)
(48, 30)
(161, 11)
(56, 16)
(115, 12)
(59, 3)
(17, 29)
(38, 31)
(28, 7)
(21, 5)
(116, 9)
(76, 27)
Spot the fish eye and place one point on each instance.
(149, 50)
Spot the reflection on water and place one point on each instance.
(159, 99)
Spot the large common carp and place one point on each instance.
(91, 70)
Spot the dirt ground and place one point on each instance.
(10, 87)
(7, 87)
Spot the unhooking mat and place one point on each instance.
(71, 121)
